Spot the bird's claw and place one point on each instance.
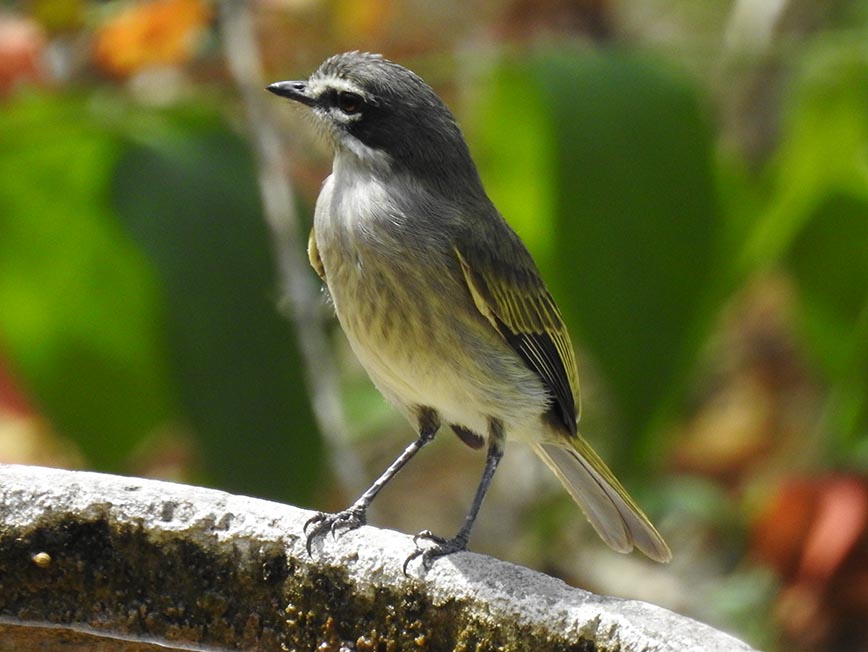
(323, 522)
(428, 535)
(441, 548)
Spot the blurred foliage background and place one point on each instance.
(691, 177)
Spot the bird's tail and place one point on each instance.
(614, 514)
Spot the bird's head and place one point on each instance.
(382, 113)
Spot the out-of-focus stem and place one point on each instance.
(299, 289)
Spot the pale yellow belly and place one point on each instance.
(429, 346)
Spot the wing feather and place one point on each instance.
(513, 298)
(313, 255)
(525, 314)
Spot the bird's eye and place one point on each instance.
(350, 103)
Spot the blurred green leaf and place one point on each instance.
(636, 223)
(824, 140)
(829, 260)
(816, 223)
(78, 303)
(512, 142)
(188, 193)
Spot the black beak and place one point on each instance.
(294, 90)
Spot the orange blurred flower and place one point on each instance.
(814, 533)
(155, 33)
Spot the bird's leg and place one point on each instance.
(441, 547)
(355, 515)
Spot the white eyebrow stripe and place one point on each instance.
(319, 85)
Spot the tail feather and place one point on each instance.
(614, 514)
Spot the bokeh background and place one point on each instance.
(692, 178)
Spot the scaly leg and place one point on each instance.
(496, 443)
(355, 515)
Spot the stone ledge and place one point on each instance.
(146, 562)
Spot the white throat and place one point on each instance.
(352, 153)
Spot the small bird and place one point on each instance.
(441, 301)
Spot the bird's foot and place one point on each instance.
(322, 522)
(441, 547)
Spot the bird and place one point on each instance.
(441, 301)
